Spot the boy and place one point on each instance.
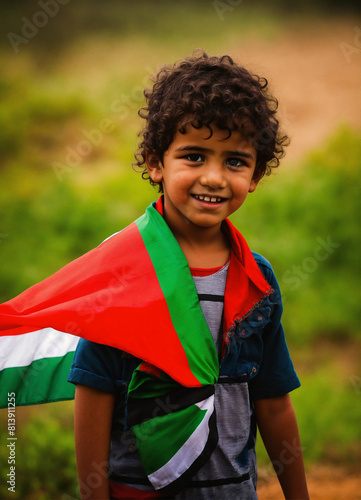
(211, 133)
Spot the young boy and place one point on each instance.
(210, 135)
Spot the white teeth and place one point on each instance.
(208, 199)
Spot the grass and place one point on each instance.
(327, 404)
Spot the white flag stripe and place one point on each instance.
(185, 456)
(21, 350)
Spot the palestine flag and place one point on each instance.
(134, 292)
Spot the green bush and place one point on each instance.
(45, 456)
(328, 414)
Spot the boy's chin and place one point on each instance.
(205, 222)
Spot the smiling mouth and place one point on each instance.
(208, 199)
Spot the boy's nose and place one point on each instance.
(213, 177)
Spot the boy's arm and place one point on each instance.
(93, 412)
(277, 424)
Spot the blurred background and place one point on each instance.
(71, 82)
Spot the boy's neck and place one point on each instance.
(204, 247)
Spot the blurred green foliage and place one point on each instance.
(56, 205)
(328, 411)
(45, 462)
(163, 20)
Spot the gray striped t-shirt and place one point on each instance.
(210, 289)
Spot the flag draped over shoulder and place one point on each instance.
(134, 292)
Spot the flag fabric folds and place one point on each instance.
(35, 366)
(134, 292)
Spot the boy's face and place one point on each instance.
(204, 179)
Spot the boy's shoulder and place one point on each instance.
(261, 261)
(266, 269)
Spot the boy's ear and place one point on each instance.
(253, 185)
(257, 176)
(154, 167)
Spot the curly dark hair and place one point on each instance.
(207, 90)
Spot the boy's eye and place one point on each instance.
(194, 157)
(235, 162)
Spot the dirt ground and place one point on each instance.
(315, 72)
(324, 483)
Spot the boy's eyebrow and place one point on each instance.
(200, 149)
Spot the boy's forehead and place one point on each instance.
(208, 132)
(208, 137)
(240, 124)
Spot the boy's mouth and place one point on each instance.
(208, 198)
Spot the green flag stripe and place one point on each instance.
(43, 381)
(166, 429)
(179, 290)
